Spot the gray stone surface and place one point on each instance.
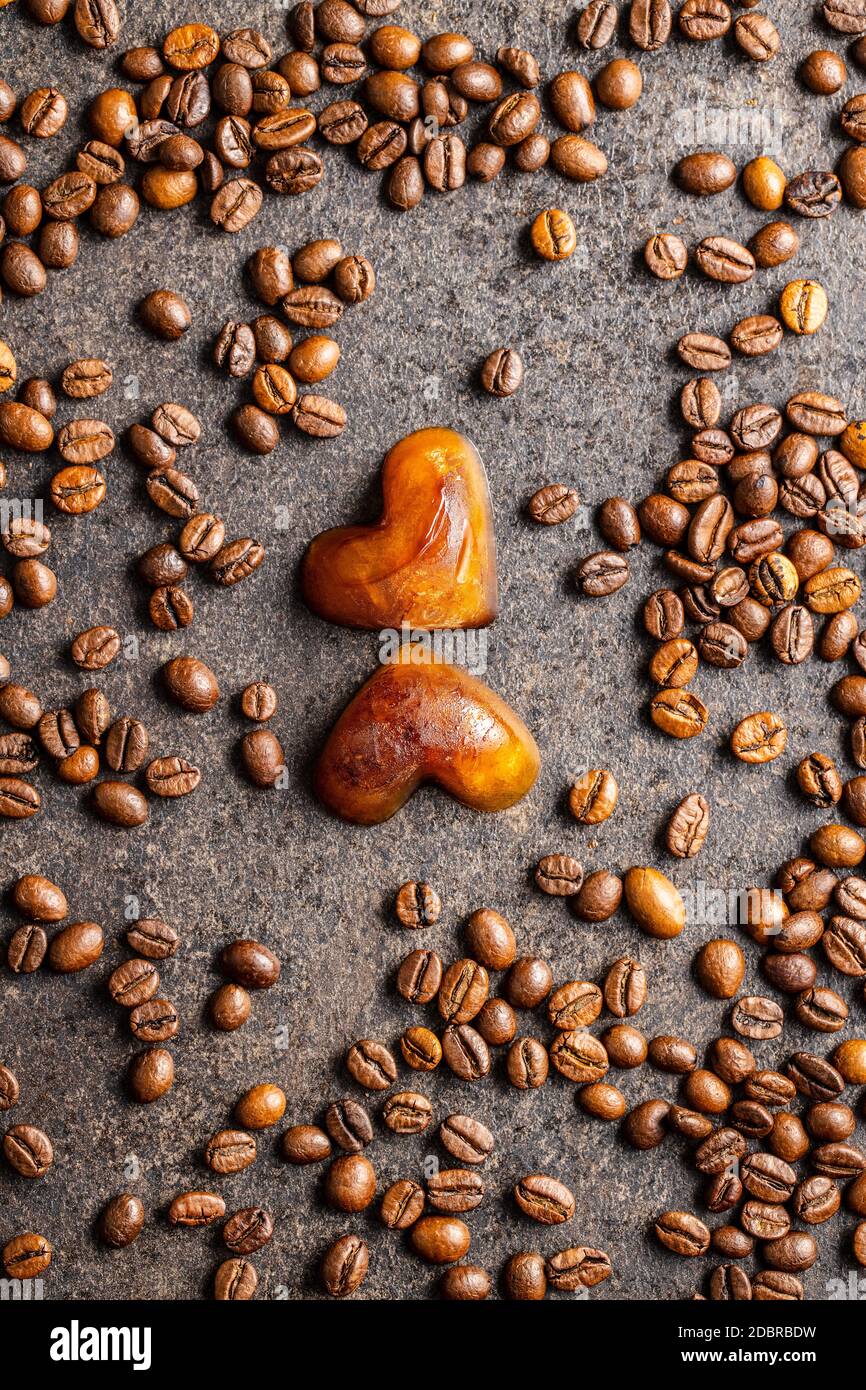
(598, 411)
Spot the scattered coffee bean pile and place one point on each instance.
(299, 285)
(201, 541)
(77, 740)
(76, 489)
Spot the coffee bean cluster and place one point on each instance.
(473, 1021)
(201, 541)
(261, 753)
(74, 490)
(312, 289)
(78, 740)
(738, 1100)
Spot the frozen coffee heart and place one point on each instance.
(424, 722)
(430, 560)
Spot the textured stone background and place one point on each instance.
(597, 410)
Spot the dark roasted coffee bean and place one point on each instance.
(813, 194)
(348, 1124)
(248, 1230)
(26, 949)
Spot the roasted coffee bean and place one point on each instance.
(96, 648)
(791, 974)
(559, 875)
(229, 1008)
(155, 1021)
(133, 983)
(773, 1285)
(26, 1256)
(553, 235)
(791, 1253)
(625, 1046)
(844, 944)
(813, 194)
(723, 259)
(235, 1281)
(722, 1193)
(553, 504)
(248, 1230)
(402, 1205)
(524, 1277)
(201, 538)
(644, 1126)
(672, 1054)
(417, 905)
(28, 1150)
(527, 1064)
(92, 715)
(191, 684)
(230, 1151)
(625, 987)
(751, 1118)
(235, 204)
(720, 1152)
(421, 1049)
(347, 1123)
(759, 738)
(682, 1233)
(502, 372)
(261, 1106)
(171, 777)
(350, 1183)
(345, 1263)
(544, 1199)
(465, 1051)
(497, 1022)
(407, 1112)
(663, 615)
(170, 608)
(666, 256)
(599, 896)
(705, 174)
(75, 947)
(756, 1017)
(602, 574)
(464, 989)
(757, 335)
(18, 755)
(121, 1221)
(196, 1209)
(371, 1065)
(165, 314)
(803, 306)
(250, 964)
(814, 1077)
(578, 1056)
(120, 804)
(26, 949)
(455, 1190)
